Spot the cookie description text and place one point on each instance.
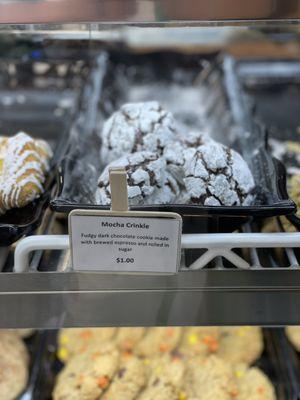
(125, 244)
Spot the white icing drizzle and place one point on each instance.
(24, 163)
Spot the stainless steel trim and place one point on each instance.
(208, 297)
(146, 11)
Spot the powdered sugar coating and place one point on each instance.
(216, 175)
(195, 139)
(176, 156)
(192, 164)
(179, 153)
(147, 178)
(137, 127)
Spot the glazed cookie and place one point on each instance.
(166, 378)
(23, 166)
(13, 366)
(253, 384)
(200, 341)
(293, 334)
(147, 179)
(158, 341)
(217, 175)
(240, 344)
(209, 379)
(136, 127)
(127, 338)
(129, 380)
(87, 375)
(76, 340)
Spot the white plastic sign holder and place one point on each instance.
(123, 241)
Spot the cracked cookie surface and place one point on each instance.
(147, 178)
(216, 175)
(137, 127)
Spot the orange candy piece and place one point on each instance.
(127, 354)
(128, 344)
(86, 334)
(261, 390)
(234, 393)
(211, 343)
(80, 378)
(96, 355)
(164, 347)
(170, 332)
(83, 349)
(103, 382)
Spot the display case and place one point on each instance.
(149, 232)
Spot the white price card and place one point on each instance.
(139, 242)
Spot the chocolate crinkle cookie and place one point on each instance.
(179, 153)
(137, 127)
(213, 175)
(148, 180)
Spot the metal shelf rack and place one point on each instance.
(265, 290)
(49, 294)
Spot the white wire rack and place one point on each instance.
(214, 246)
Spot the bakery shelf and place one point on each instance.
(219, 294)
(122, 77)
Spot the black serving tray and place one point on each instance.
(275, 362)
(271, 90)
(190, 86)
(283, 362)
(45, 112)
(35, 345)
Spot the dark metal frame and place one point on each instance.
(146, 11)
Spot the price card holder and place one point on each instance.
(122, 241)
